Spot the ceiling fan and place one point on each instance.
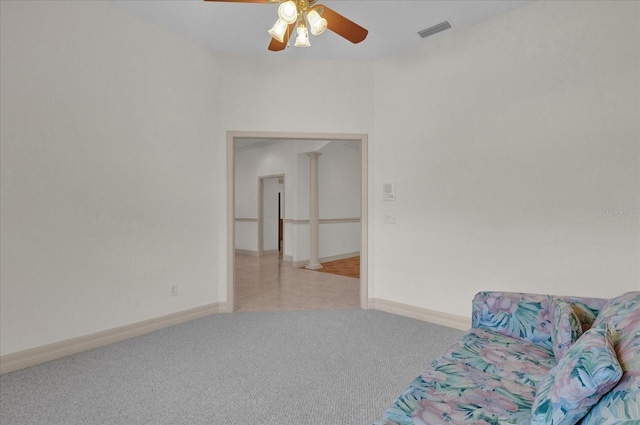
(305, 14)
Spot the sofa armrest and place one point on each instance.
(518, 315)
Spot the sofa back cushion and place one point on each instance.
(622, 403)
(588, 371)
(566, 327)
(527, 316)
(619, 406)
(519, 315)
(622, 316)
(587, 309)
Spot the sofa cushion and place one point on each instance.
(518, 315)
(491, 375)
(586, 309)
(565, 324)
(622, 316)
(622, 404)
(484, 378)
(618, 308)
(588, 371)
(619, 406)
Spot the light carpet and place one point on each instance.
(340, 367)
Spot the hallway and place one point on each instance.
(267, 284)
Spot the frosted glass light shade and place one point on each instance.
(317, 23)
(278, 30)
(302, 40)
(288, 12)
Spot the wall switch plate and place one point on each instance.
(389, 219)
(388, 191)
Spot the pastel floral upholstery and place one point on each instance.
(587, 309)
(618, 308)
(619, 406)
(485, 378)
(622, 404)
(522, 316)
(566, 326)
(528, 316)
(492, 374)
(588, 371)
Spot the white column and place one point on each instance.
(314, 212)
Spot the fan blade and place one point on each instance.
(247, 1)
(276, 46)
(341, 25)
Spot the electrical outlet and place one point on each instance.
(174, 290)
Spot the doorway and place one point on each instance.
(232, 137)
(271, 214)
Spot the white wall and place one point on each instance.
(507, 142)
(339, 173)
(339, 196)
(339, 193)
(109, 195)
(343, 103)
(339, 199)
(250, 165)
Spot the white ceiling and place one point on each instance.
(241, 28)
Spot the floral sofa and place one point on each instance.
(533, 359)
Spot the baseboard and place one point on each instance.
(431, 316)
(340, 257)
(34, 356)
(326, 259)
(246, 252)
(255, 253)
(49, 352)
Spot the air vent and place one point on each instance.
(434, 29)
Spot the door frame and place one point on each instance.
(261, 180)
(364, 199)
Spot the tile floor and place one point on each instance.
(269, 284)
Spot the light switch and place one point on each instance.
(388, 191)
(389, 219)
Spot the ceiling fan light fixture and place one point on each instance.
(288, 12)
(278, 30)
(317, 23)
(305, 16)
(302, 39)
